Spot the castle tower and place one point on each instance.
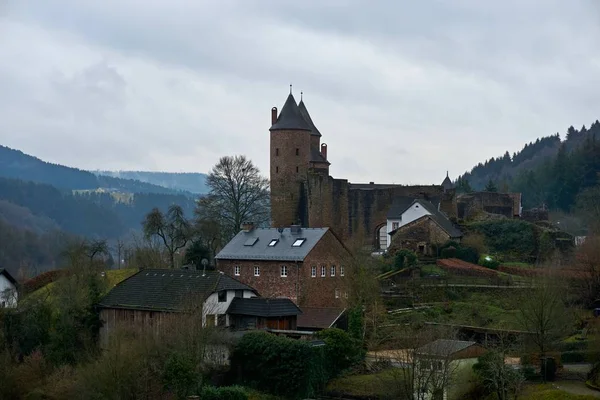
(290, 161)
(318, 151)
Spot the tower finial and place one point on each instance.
(447, 174)
(290, 88)
(301, 94)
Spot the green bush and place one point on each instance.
(579, 356)
(448, 252)
(341, 351)
(179, 376)
(279, 365)
(404, 258)
(515, 238)
(489, 262)
(224, 393)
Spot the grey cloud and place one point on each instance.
(188, 81)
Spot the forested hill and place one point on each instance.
(18, 165)
(193, 182)
(548, 171)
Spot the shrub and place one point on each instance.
(404, 258)
(489, 262)
(579, 356)
(179, 375)
(508, 236)
(341, 351)
(224, 393)
(448, 252)
(279, 365)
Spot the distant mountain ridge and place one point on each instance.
(193, 182)
(15, 164)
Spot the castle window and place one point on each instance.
(297, 170)
(276, 170)
(297, 152)
(341, 270)
(313, 271)
(257, 271)
(276, 152)
(283, 271)
(337, 293)
(298, 242)
(273, 242)
(333, 270)
(236, 270)
(323, 271)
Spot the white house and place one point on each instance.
(403, 211)
(8, 289)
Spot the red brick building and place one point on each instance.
(306, 265)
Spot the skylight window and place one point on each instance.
(298, 242)
(273, 242)
(251, 241)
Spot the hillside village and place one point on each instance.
(308, 286)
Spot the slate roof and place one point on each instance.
(290, 117)
(263, 307)
(318, 318)
(398, 207)
(447, 183)
(239, 249)
(167, 289)
(308, 119)
(8, 276)
(444, 347)
(315, 156)
(437, 216)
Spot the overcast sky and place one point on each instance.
(401, 90)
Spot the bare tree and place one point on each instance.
(238, 193)
(543, 313)
(495, 374)
(173, 229)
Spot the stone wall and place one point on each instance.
(472, 204)
(421, 232)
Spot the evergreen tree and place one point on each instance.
(490, 187)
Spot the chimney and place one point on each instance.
(324, 151)
(247, 226)
(273, 115)
(295, 229)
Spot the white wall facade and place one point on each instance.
(212, 306)
(414, 212)
(8, 293)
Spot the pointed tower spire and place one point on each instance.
(306, 116)
(290, 117)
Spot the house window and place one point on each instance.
(345, 295)
(283, 271)
(236, 270)
(341, 270)
(276, 152)
(221, 320)
(313, 271)
(323, 271)
(333, 270)
(298, 242)
(337, 293)
(256, 271)
(239, 293)
(210, 319)
(273, 242)
(395, 225)
(297, 152)
(222, 296)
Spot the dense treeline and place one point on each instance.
(193, 182)
(18, 165)
(548, 172)
(90, 213)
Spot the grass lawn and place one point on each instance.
(548, 392)
(113, 277)
(432, 269)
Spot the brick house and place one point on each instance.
(156, 299)
(424, 227)
(306, 265)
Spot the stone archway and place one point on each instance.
(381, 237)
